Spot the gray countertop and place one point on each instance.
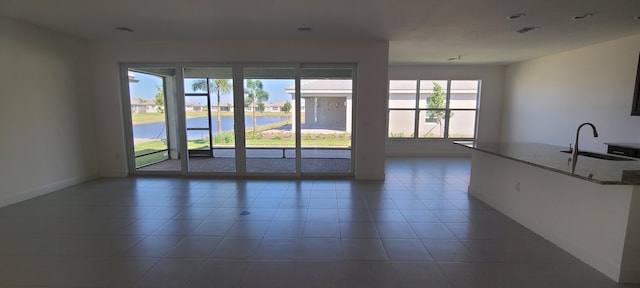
(625, 145)
(551, 158)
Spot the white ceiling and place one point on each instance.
(419, 31)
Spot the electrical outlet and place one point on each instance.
(518, 186)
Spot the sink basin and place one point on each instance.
(599, 156)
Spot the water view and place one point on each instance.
(157, 130)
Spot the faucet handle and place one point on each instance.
(570, 148)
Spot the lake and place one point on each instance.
(158, 130)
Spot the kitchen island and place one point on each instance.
(592, 212)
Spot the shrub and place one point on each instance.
(225, 137)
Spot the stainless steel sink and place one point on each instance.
(599, 156)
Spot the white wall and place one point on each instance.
(490, 107)
(371, 57)
(46, 127)
(332, 113)
(548, 97)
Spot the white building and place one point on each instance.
(329, 106)
(194, 107)
(141, 105)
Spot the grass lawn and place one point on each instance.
(144, 160)
(152, 146)
(148, 147)
(158, 145)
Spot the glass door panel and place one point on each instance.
(209, 112)
(151, 99)
(293, 120)
(270, 138)
(326, 100)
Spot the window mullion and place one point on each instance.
(447, 110)
(416, 123)
(459, 102)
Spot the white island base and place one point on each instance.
(598, 224)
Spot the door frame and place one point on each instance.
(239, 115)
(243, 162)
(128, 121)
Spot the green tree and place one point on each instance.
(286, 108)
(159, 99)
(437, 101)
(255, 95)
(218, 86)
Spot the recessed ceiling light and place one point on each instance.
(516, 16)
(304, 29)
(527, 29)
(124, 29)
(583, 16)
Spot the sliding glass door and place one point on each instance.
(210, 119)
(270, 140)
(242, 119)
(326, 94)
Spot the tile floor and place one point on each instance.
(418, 228)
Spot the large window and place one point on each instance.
(257, 119)
(433, 109)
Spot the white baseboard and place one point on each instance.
(39, 191)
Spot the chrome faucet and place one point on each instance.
(574, 154)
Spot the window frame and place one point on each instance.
(447, 109)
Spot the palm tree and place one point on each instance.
(255, 95)
(220, 87)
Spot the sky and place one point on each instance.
(146, 88)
